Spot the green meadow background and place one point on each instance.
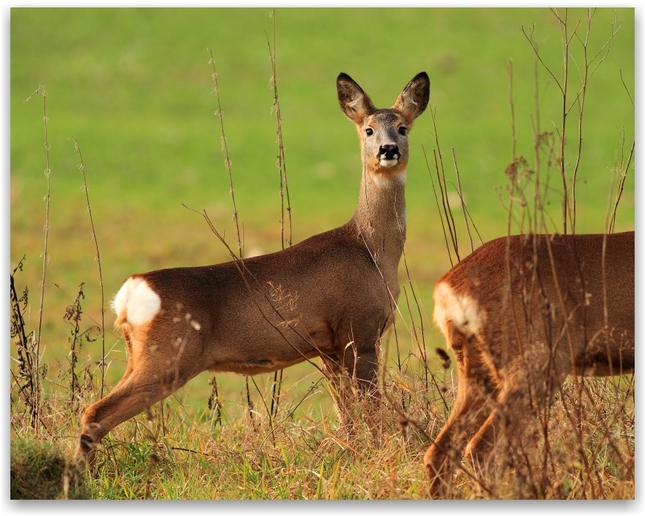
(133, 87)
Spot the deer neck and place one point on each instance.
(380, 218)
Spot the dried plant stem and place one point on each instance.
(284, 192)
(622, 171)
(214, 402)
(227, 159)
(81, 167)
(27, 377)
(73, 316)
(438, 204)
(467, 218)
(566, 41)
(443, 204)
(586, 70)
(42, 91)
(623, 166)
(227, 162)
(443, 188)
(280, 163)
(512, 106)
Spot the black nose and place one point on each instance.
(388, 152)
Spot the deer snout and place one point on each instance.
(389, 154)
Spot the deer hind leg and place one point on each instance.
(501, 441)
(477, 390)
(479, 451)
(151, 375)
(129, 398)
(507, 438)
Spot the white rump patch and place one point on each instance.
(462, 311)
(139, 301)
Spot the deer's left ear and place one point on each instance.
(414, 98)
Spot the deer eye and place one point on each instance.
(369, 131)
(403, 130)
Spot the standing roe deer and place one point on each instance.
(331, 295)
(521, 313)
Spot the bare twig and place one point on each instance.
(81, 167)
(227, 159)
(467, 219)
(227, 162)
(280, 162)
(42, 91)
(441, 181)
(623, 167)
(438, 204)
(284, 193)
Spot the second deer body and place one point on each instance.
(330, 296)
(521, 313)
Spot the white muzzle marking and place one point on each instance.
(389, 162)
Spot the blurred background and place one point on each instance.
(134, 89)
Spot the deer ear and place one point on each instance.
(413, 100)
(354, 102)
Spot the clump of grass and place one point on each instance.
(39, 471)
(26, 377)
(78, 335)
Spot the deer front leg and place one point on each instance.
(353, 381)
(334, 372)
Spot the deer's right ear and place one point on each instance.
(354, 102)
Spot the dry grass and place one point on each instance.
(581, 448)
(178, 453)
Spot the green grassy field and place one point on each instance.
(134, 88)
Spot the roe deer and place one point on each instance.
(521, 313)
(331, 295)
